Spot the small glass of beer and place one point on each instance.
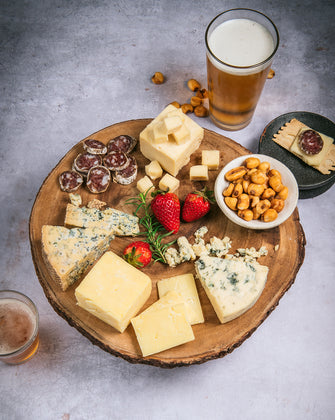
(240, 44)
(18, 327)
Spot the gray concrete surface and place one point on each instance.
(70, 68)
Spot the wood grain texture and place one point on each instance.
(212, 339)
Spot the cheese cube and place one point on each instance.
(211, 158)
(184, 286)
(144, 184)
(181, 135)
(172, 123)
(169, 182)
(114, 291)
(160, 134)
(154, 170)
(199, 173)
(161, 329)
(171, 155)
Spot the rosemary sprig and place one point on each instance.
(152, 227)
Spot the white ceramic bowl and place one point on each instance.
(288, 180)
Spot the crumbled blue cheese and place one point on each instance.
(75, 199)
(219, 247)
(172, 257)
(200, 233)
(185, 249)
(251, 254)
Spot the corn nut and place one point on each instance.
(252, 162)
(277, 204)
(262, 206)
(236, 173)
(193, 85)
(283, 193)
(264, 167)
(243, 202)
(238, 190)
(231, 202)
(275, 183)
(246, 214)
(258, 177)
(229, 190)
(255, 189)
(269, 215)
(268, 193)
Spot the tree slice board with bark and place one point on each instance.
(285, 245)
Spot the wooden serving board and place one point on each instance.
(212, 339)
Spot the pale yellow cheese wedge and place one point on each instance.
(161, 329)
(114, 291)
(169, 183)
(199, 173)
(154, 170)
(184, 286)
(211, 158)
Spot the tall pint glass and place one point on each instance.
(240, 44)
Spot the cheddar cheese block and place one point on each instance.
(170, 139)
(116, 221)
(232, 285)
(113, 291)
(184, 286)
(162, 326)
(69, 252)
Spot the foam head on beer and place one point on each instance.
(241, 42)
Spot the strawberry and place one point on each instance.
(196, 205)
(166, 208)
(138, 254)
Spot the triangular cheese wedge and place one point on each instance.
(232, 285)
(69, 252)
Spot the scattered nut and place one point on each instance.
(200, 111)
(193, 85)
(196, 101)
(175, 104)
(271, 74)
(158, 78)
(187, 108)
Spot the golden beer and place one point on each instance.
(19, 337)
(240, 45)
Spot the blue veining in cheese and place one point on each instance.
(232, 285)
(119, 222)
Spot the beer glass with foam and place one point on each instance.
(240, 44)
(18, 327)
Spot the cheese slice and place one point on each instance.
(116, 221)
(69, 252)
(184, 286)
(232, 285)
(113, 291)
(175, 153)
(162, 328)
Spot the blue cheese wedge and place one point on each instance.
(232, 285)
(116, 221)
(69, 252)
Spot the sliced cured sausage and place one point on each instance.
(85, 161)
(123, 143)
(98, 179)
(95, 147)
(127, 175)
(310, 142)
(70, 181)
(116, 161)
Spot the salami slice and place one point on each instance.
(116, 161)
(123, 143)
(127, 175)
(98, 179)
(70, 181)
(85, 161)
(95, 147)
(310, 142)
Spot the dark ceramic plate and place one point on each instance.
(310, 181)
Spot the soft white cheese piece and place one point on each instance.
(232, 285)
